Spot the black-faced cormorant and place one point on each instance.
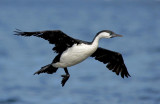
(73, 51)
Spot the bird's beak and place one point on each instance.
(116, 35)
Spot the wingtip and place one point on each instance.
(127, 75)
(17, 32)
(36, 73)
(122, 76)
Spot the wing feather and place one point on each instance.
(113, 60)
(57, 37)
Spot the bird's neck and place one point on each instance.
(96, 41)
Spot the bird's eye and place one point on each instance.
(112, 33)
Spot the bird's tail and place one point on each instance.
(49, 69)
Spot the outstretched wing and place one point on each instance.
(113, 60)
(57, 37)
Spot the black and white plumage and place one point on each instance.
(73, 51)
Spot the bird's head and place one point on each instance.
(107, 34)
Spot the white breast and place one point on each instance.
(75, 55)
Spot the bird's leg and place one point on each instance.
(65, 77)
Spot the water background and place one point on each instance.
(90, 81)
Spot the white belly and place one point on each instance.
(75, 55)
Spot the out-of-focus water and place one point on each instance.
(90, 81)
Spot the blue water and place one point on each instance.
(90, 81)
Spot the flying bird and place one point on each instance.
(72, 51)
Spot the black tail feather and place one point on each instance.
(49, 69)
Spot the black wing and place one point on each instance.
(113, 60)
(57, 37)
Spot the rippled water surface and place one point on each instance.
(90, 81)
